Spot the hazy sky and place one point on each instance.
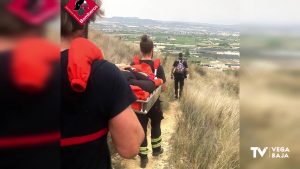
(204, 11)
(208, 11)
(270, 11)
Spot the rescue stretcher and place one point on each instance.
(147, 104)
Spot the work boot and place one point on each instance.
(157, 153)
(144, 162)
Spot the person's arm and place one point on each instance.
(172, 72)
(173, 69)
(186, 69)
(161, 75)
(127, 133)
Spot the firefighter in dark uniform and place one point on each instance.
(155, 115)
(96, 99)
(179, 73)
(29, 91)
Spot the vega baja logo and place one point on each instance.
(273, 152)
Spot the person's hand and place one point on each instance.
(123, 67)
(172, 77)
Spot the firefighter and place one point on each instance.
(179, 73)
(29, 88)
(155, 115)
(95, 99)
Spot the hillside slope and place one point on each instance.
(115, 50)
(202, 129)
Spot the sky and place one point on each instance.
(208, 11)
(279, 12)
(202, 11)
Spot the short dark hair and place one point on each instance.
(146, 44)
(69, 25)
(180, 55)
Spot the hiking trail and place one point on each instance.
(168, 125)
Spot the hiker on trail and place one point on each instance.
(29, 90)
(155, 114)
(179, 73)
(96, 100)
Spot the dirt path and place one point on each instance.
(168, 128)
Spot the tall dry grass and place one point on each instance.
(270, 113)
(207, 134)
(115, 50)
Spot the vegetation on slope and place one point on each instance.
(207, 132)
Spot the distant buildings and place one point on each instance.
(233, 66)
(219, 65)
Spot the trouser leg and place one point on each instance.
(156, 136)
(176, 87)
(144, 122)
(181, 87)
(156, 115)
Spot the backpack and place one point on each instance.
(180, 68)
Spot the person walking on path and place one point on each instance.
(179, 73)
(155, 115)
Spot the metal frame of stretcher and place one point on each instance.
(146, 105)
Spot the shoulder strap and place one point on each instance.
(136, 60)
(156, 63)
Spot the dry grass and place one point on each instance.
(208, 130)
(115, 50)
(270, 114)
